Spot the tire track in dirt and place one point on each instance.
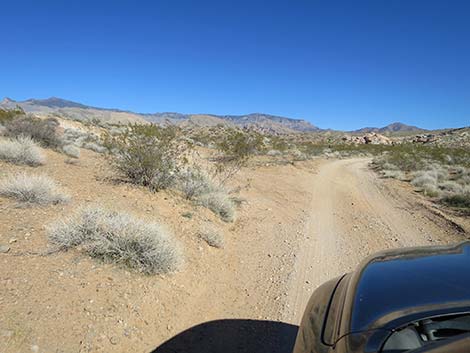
(352, 214)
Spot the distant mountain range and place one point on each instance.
(259, 121)
(394, 127)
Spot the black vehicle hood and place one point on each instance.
(395, 285)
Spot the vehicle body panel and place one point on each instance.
(388, 290)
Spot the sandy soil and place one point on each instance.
(298, 226)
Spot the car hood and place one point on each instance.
(392, 286)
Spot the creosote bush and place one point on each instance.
(117, 237)
(43, 131)
(21, 150)
(235, 148)
(460, 201)
(7, 115)
(32, 189)
(240, 145)
(148, 155)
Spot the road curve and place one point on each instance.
(352, 214)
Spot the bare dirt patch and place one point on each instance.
(298, 226)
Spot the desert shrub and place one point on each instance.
(21, 150)
(219, 203)
(436, 170)
(430, 190)
(7, 115)
(71, 151)
(424, 178)
(279, 144)
(83, 139)
(439, 172)
(235, 148)
(32, 189)
(74, 136)
(212, 237)
(389, 166)
(148, 155)
(427, 182)
(274, 153)
(240, 145)
(94, 147)
(205, 190)
(72, 161)
(193, 182)
(298, 155)
(43, 131)
(335, 154)
(460, 200)
(451, 187)
(413, 157)
(119, 238)
(394, 174)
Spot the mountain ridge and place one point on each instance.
(393, 127)
(74, 110)
(262, 121)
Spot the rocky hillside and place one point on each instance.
(72, 110)
(391, 128)
(77, 111)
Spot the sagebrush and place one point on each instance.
(148, 155)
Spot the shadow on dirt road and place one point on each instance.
(233, 336)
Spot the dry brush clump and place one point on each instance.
(119, 238)
(44, 131)
(148, 155)
(235, 147)
(32, 189)
(21, 150)
(212, 236)
(439, 172)
(205, 190)
(220, 203)
(194, 182)
(7, 115)
(83, 139)
(71, 151)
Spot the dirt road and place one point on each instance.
(298, 226)
(319, 225)
(353, 214)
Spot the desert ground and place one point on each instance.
(297, 226)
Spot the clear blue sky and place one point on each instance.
(338, 64)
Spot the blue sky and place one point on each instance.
(338, 64)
